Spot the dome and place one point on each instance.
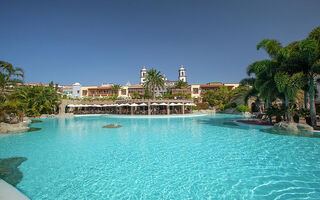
(76, 84)
(181, 67)
(144, 69)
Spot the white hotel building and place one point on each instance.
(195, 90)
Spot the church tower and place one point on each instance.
(182, 74)
(143, 73)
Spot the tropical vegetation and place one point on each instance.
(154, 80)
(181, 84)
(18, 100)
(115, 89)
(223, 98)
(288, 70)
(10, 77)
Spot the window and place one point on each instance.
(123, 92)
(195, 90)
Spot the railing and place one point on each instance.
(155, 101)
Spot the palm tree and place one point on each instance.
(309, 50)
(263, 83)
(36, 100)
(266, 69)
(307, 57)
(154, 80)
(181, 84)
(276, 77)
(289, 86)
(9, 76)
(115, 89)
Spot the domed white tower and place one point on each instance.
(76, 88)
(143, 73)
(182, 74)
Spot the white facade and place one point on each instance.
(234, 85)
(182, 74)
(195, 91)
(76, 90)
(143, 73)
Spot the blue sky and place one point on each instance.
(109, 41)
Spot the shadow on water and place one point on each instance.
(9, 170)
(297, 134)
(229, 123)
(222, 123)
(35, 121)
(32, 129)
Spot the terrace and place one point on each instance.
(100, 91)
(128, 107)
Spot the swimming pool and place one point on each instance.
(163, 158)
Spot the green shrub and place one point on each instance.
(202, 106)
(194, 108)
(242, 108)
(227, 106)
(233, 105)
(221, 107)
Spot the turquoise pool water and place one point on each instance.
(163, 158)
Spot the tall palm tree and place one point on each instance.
(276, 77)
(310, 56)
(266, 69)
(154, 80)
(263, 83)
(115, 89)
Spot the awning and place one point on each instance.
(134, 104)
(163, 104)
(143, 104)
(179, 104)
(173, 104)
(125, 104)
(109, 105)
(154, 104)
(71, 105)
(190, 104)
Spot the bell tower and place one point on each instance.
(143, 73)
(182, 74)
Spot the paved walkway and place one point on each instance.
(8, 192)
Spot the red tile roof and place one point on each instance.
(212, 86)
